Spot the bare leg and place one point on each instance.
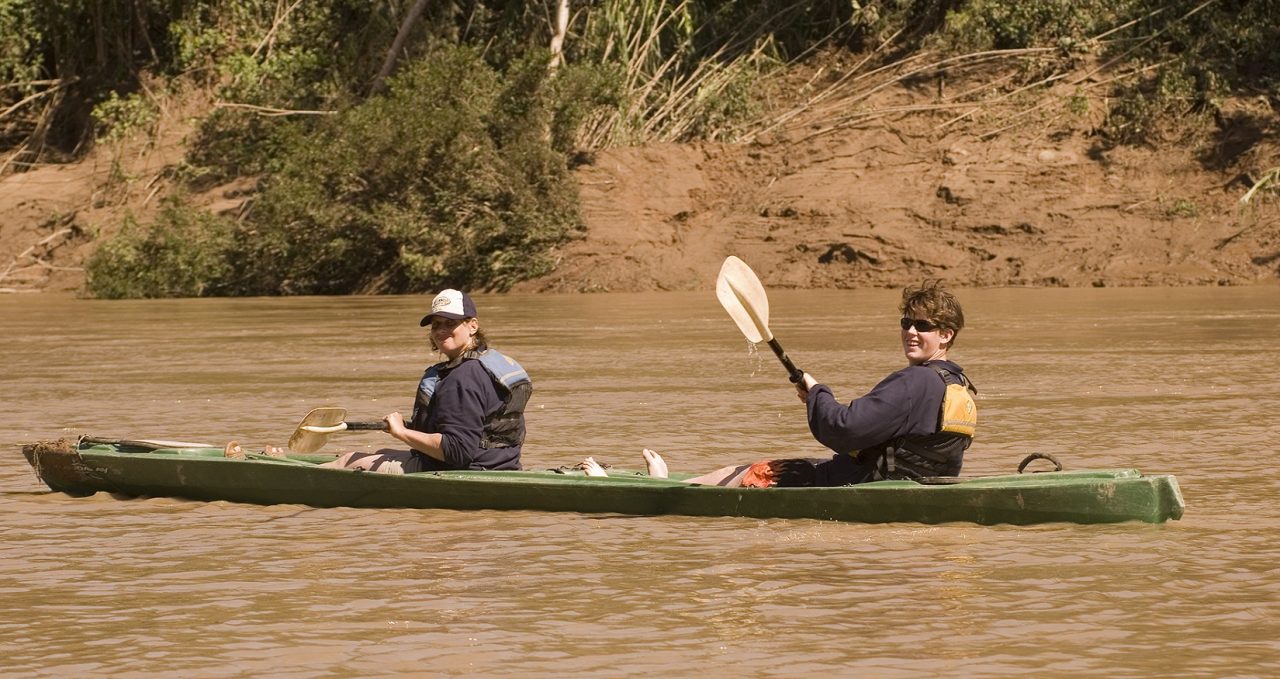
(339, 462)
(654, 462)
(592, 468)
(386, 461)
(729, 477)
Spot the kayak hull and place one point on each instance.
(203, 473)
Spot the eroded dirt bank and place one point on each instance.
(891, 200)
(896, 200)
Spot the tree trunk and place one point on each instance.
(380, 81)
(557, 39)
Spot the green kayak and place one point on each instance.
(160, 469)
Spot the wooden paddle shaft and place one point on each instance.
(796, 373)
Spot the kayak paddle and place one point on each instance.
(314, 430)
(741, 294)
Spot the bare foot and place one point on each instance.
(273, 451)
(657, 466)
(592, 468)
(233, 451)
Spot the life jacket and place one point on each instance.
(942, 452)
(503, 428)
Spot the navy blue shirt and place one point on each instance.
(462, 400)
(907, 402)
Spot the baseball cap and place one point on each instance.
(450, 303)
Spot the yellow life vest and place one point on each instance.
(959, 412)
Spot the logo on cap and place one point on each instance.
(447, 302)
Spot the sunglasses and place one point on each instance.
(919, 325)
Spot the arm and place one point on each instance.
(427, 444)
(880, 415)
(461, 401)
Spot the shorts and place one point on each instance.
(421, 462)
(843, 470)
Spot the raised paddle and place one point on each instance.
(741, 294)
(314, 430)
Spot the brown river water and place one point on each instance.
(1164, 380)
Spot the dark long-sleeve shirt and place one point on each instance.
(907, 402)
(463, 399)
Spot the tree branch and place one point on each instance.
(269, 111)
(379, 81)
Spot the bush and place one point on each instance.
(448, 180)
(1010, 24)
(119, 117)
(19, 37)
(1203, 51)
(1164, 107)
(181, 254)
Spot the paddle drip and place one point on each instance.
(753, 349)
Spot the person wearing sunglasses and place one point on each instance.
(918, 421)
(915, 423)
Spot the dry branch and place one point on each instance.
(557, 39)
(269, 40)
(38, 95)
(29, 83)
(9, 270)
(269, 111)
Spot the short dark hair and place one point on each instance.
(936, 304)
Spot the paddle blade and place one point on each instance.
(741, 294)
(304, 441)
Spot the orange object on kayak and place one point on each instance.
(760, 475)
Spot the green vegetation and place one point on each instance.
(1174, 60)
(119, 117)
(456, 170)
(447, 180)
(181, 254)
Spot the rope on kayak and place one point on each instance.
(1057, 466)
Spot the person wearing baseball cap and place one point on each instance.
(452, 304)
(468, 412)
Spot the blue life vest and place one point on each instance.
(503, 428)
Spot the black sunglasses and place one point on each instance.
(920, 325)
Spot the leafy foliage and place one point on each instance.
(181, 254)
(19, 35)
(457, 175)
(118, 117)
(448, 180)
(1003, 24)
